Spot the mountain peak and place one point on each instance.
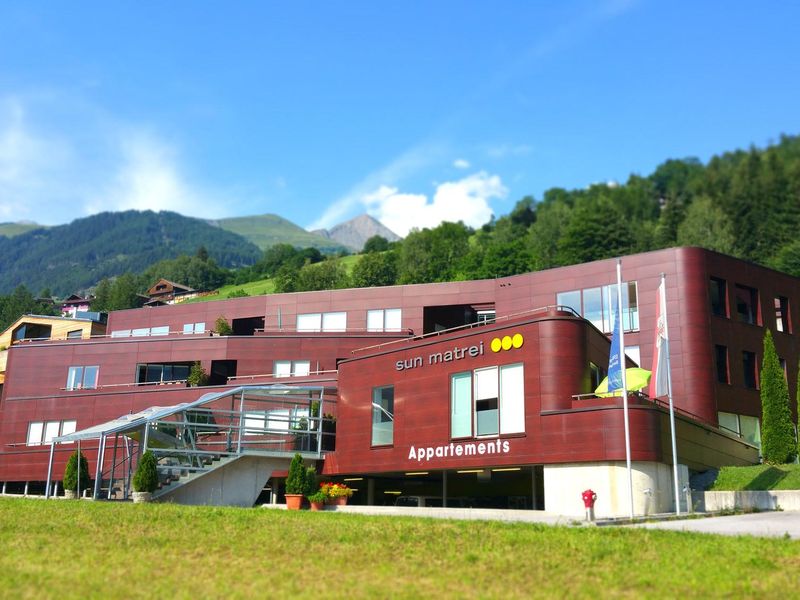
(355, 232)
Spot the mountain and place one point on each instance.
(73, 257)
(355, 232)
(12, 229)
(267, 230)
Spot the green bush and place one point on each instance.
(222, 327)
(70, 481)
(197, 375)
(146, 477)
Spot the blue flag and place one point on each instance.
(615, 359)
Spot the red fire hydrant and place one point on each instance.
(589, 498)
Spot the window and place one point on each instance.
(309, 322)
(82, 378)
(387, 319)
(121, 333)
(750, 430)
(44, 432)
(729, 422)
(718, 291)
(595, 375)
(291, 368)
(488, 401)
(140, 332)
(570, 299)
(332, 321)
(746, 304)
(721, 354)
(75, 334)
(599, 304)
(194, 328)
(162, 372)
(383, 416)
(749, 369)
(782, 322)
(162, 330)
(484, 317)
(633, 353)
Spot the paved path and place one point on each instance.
(765, 524)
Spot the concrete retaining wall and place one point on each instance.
(768, 500)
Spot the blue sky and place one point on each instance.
(412, 111)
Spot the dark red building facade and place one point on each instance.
(469, 393)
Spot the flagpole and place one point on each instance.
(663, 301)
(623, 364)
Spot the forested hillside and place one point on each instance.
(744, 203)
(73, 257)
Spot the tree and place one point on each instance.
(377, 243)
(375, 269)
(222, 327)
(434, 254)
(777, 434)
(197, 375)
(327, 275)
(706, 225)
(124, 293)
(102, 296)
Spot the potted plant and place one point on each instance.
(71, 479)
(222, 327)
(297, 484)
(336, 493)
(317, 500)
(145, 480)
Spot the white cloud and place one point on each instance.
(149, 178)
(461, 163)
(408, 163)
(464, 200)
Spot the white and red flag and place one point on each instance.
(659, 381)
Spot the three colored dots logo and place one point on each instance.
(507, 342)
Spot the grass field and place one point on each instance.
(263, 286)
(71, 549)
(758, 477)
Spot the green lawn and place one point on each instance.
(71, 549)
(759, 477)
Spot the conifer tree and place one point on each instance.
(777, 434)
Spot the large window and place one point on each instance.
(747, 304)
(40, 432)
(384, 319)
(162, 372)
(487, 401)
(745, 426)
(383, 416)
(331, 321)
(599, 304)
(749, 369)
(718, 292)
(82, 378)
(291, 368)
(782, 321)
(141, 331)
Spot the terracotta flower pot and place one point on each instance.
(294, 501)
(338, 501)
(317, 505)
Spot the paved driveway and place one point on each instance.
(768, 524)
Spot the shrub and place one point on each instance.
(70, 481)
(146, 477)
(318, 496)
(301, 479)
(197, 375)
(777, 433)
(222, 327)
